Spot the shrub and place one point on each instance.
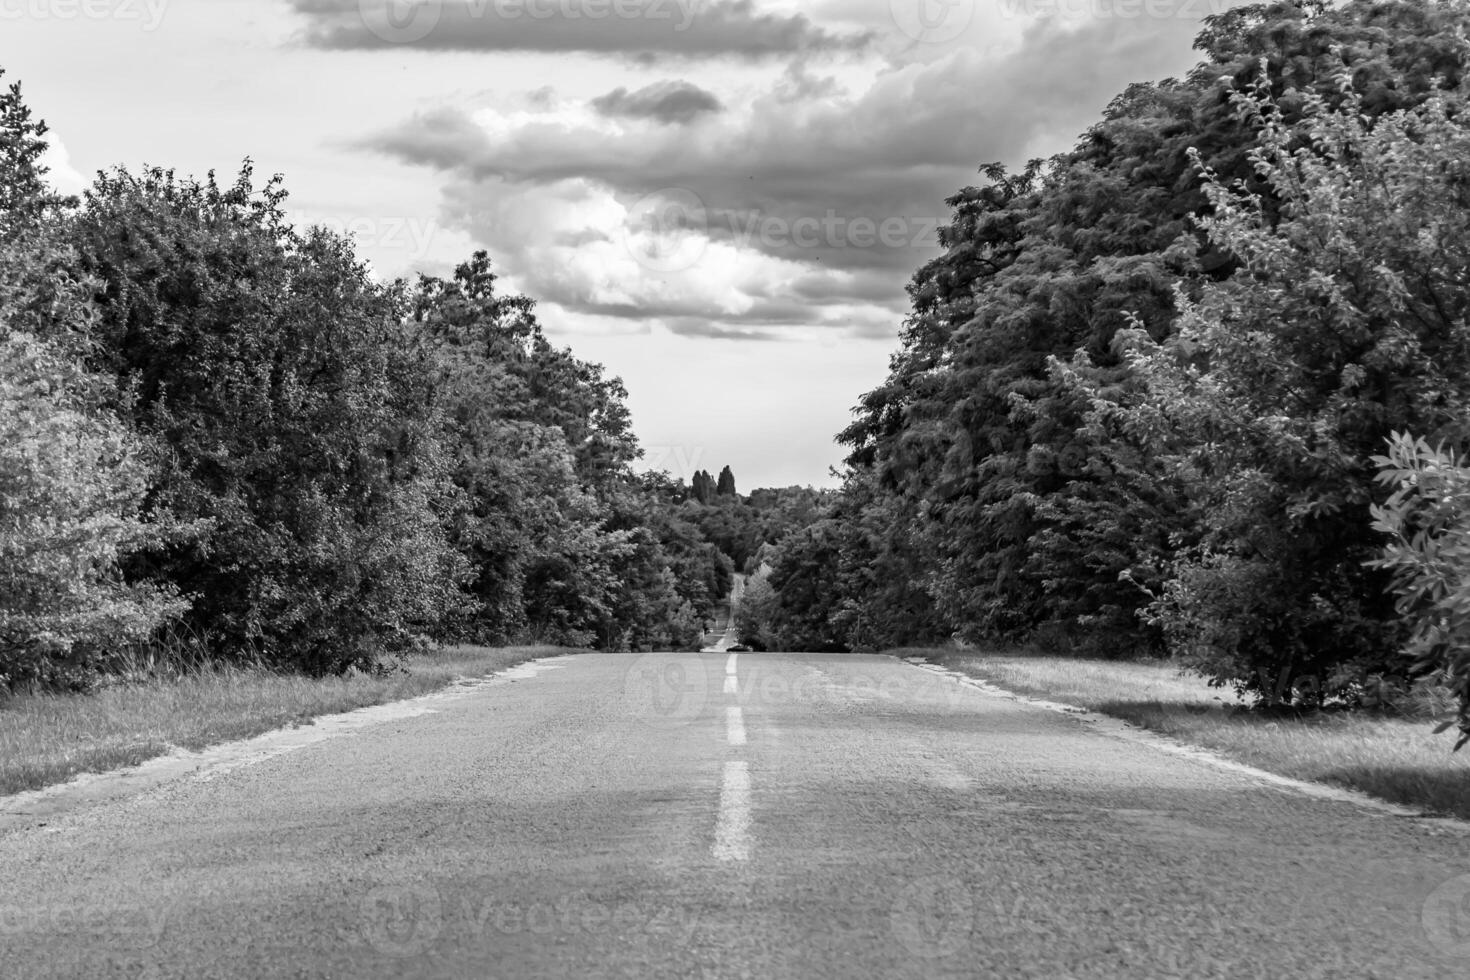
(1427, 519)
(72, 484)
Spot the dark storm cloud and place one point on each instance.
(643, 29)
(443, 139)
(846, 193)
(667, 102)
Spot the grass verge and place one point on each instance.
(49, 738)
(1396, 759)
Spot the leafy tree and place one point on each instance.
(566, 546)
(26, 198)
(72, 475)
(726, 485)
(295, 416)
(975, 432)
(1428, 520)
(72, 482)
(702, 487)
(755, 611)
(1281, 384)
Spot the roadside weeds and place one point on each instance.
(47, 739)
(1399, 760)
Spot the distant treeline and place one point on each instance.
(1147, 399)
(220, 436)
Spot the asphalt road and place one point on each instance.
(660, 816)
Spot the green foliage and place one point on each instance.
(293, 413)
(26, 199)
(702, 487)
(72, 475)
(1428, 520)
(726, 485)
(203, 401)
(1011, 444)
(1268, 403)
(754, 612)
(72, 482)
(567, 547)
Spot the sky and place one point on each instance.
(722, 201)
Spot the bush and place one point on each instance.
(295, 416)
(1428, 521)
(72, 485)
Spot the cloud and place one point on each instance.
(666, 102)
(687, 29)
(804, 203)
(61, 175)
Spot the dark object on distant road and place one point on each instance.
(740, 648)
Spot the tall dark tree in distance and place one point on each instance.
(702, 487)
(726, 486)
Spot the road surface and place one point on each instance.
(756, 816)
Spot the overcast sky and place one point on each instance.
(721, 200)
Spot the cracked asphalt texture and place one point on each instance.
(901, 825)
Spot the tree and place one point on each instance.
(1280, 385)
(702, 487)
(726, 486)
(73, 476)
(974, 431)
(26, 199)
(295, 416)
(754, 613)
(1427, 518)
(72, 483)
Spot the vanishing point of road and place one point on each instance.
(726, 815)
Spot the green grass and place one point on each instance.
(49, 738)
(1396, 759)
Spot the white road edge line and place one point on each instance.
(730, 664)
(1129, 732)
(734, 726)
(732, 834)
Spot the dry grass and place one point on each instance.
(48, 738)
(1395, 759)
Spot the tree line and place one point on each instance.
(221, 436)
(1197, 386)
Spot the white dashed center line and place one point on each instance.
(734, 726)
(732, 834)
(730, 665)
